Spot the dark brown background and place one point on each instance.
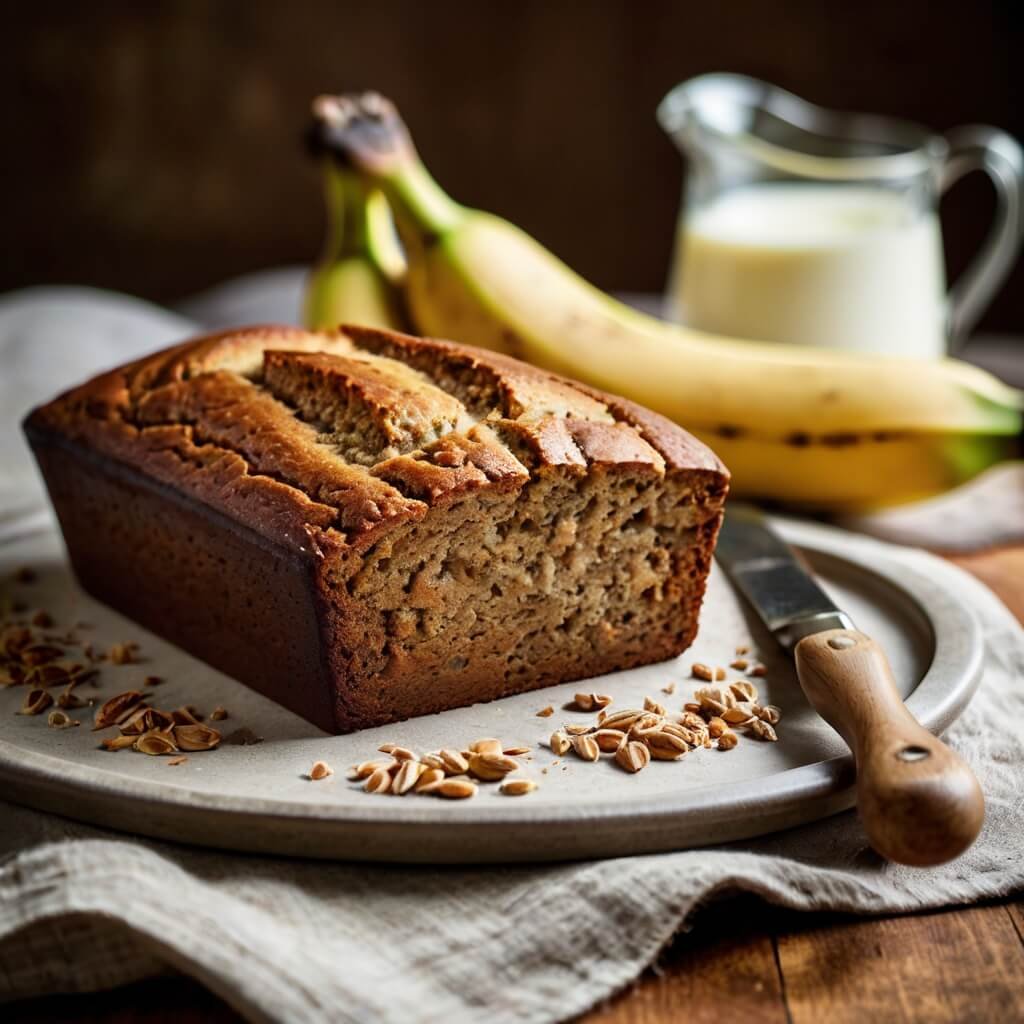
(153, 146)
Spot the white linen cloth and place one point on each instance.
(82, 908)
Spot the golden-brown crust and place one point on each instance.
(421, 422)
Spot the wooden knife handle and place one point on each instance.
(919, 802)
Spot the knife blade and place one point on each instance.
(919, 802)
(767, 572)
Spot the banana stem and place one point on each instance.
(347, 229)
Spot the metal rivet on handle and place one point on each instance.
(913, 753)
(841, 643)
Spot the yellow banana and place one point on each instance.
(357, 278)
(811, 426)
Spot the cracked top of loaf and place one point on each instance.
(321, 441)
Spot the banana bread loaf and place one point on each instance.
(366, 526)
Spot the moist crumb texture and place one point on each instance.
(367, 526)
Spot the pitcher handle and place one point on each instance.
(981, 148)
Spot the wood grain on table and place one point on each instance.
(743, 960)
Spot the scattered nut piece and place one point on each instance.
(517, 787)
(60, 720)
(762, 730)
(758, 671)
(576, 729)
(719, 674)
(430, 777)
(378, 782)
(609, 740)
(591, 701)
(175, 761)
(40, 654)
(320, 770)
(546, 712)
(743, 649)
(123, 654)
(727, 740)
(769, 713)
(516, 751)
(739, 663)
(669, 689)
(116, 710)
(586, 748)
(692, 707)
(407, 776)
(701, 671)
(157, 743)
(632, 756)
(152, 681)
(455, 789)
(196, 737)
(559, 743)
(117, 742)
(488, 745)
(35, 702)
(741, 714)
(717, 727)
(365, 769)
(665, 747)
(652, 705)
(218, 714)
(454, 762)
(185, 715)
(743, 691)
(491, 767)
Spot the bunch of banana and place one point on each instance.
(809, 426)
(358, 277)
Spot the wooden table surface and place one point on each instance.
(743, 960)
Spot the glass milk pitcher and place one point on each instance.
(803, 225)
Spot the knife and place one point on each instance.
(918, 801)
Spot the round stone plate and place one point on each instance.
(257, 797)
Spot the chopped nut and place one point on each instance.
(592, 701)
(430, 777)
(491, 767)
(623, 719)
(665, 747)
(546, 712)
(454, 763)
(632, 756)
(156, 743)
(153, 681)
(185, 715)
(741, 714)
(609, 740)
(701, 671)
(715, 699)
(117, 742)
(196, 737)
(320, 770)
(719, 674)
(455, 789)
(122, 654)
(60, 720)
(35, 702)
(650, 704)
(577, 730)
(669, 689)
(174, 762)
(739, 664)
(42, 620)
(762, 730)
(517, 787)
(378, 782)
(692, 708)
(758, 671)
(407, 776)
(743, 649)
(516, 751)
(717, 727)
(218, 714)
(40, 654)
(69, 699)
(367, 768)
(727, 740)
(559, 743)
(487, 745)
(586, 748)
(769, 713)
(116, 710)
(743, 691)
